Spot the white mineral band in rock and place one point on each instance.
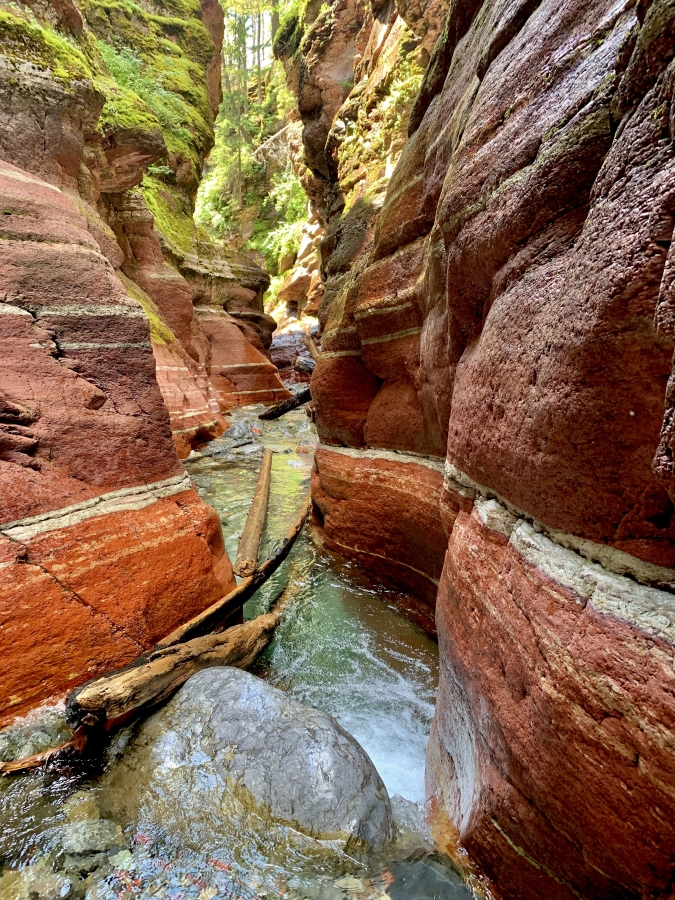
(616, 561)
(398, 456)
(122, 500)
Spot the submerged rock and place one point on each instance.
(227, 727)
(92, 836)
(36, 882)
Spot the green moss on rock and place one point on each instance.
(23, 39)
(149, 60)
(153, 71)
(160, 333)
(173, 215)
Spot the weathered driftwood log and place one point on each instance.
(275, 412)
(155, 676)
(311, 346)
(216, 613)
(120, 695)
(249, 542)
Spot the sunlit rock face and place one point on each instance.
(106, 373)
(104, 545)
(502, 299)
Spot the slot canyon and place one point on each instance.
(452, 220)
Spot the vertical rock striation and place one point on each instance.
(498, 294)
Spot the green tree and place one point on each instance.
(248, 196)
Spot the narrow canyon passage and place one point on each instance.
(344, 647)
(441, 231)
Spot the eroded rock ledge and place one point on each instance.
(99, 524)
(555, 717)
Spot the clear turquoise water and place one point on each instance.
(343, 646)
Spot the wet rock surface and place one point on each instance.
(293, 761)
(34, 734)
(344, 648)
(86, 460)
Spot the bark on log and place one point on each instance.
(313, 349)
(249, 542)
(155, 676)
(209, 619)
(275, 412)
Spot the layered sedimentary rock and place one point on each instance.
(204, 318)
(302, 289)
(125, 99)
(105, 546)
(502, 298)
(105, 369)
(356, 69)
(360, 497)
(555, 717)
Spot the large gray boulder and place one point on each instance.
(227, 728)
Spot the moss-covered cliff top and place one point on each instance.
(151, 63)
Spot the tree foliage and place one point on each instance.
(247, 197)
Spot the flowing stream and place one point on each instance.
(343, 646)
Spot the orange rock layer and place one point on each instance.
(104, 544)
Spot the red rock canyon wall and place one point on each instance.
(104, 545)
(123, 339)
(497, 296)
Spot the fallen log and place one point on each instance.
(113, 699)
(311, 346)
(249, 542)
(116, 698)
(216, 613)
(155, 676)
(275, 412)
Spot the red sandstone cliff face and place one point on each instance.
(505, 302)
(209, 324)
(65, 119)
(104, 544)
(105, 369)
